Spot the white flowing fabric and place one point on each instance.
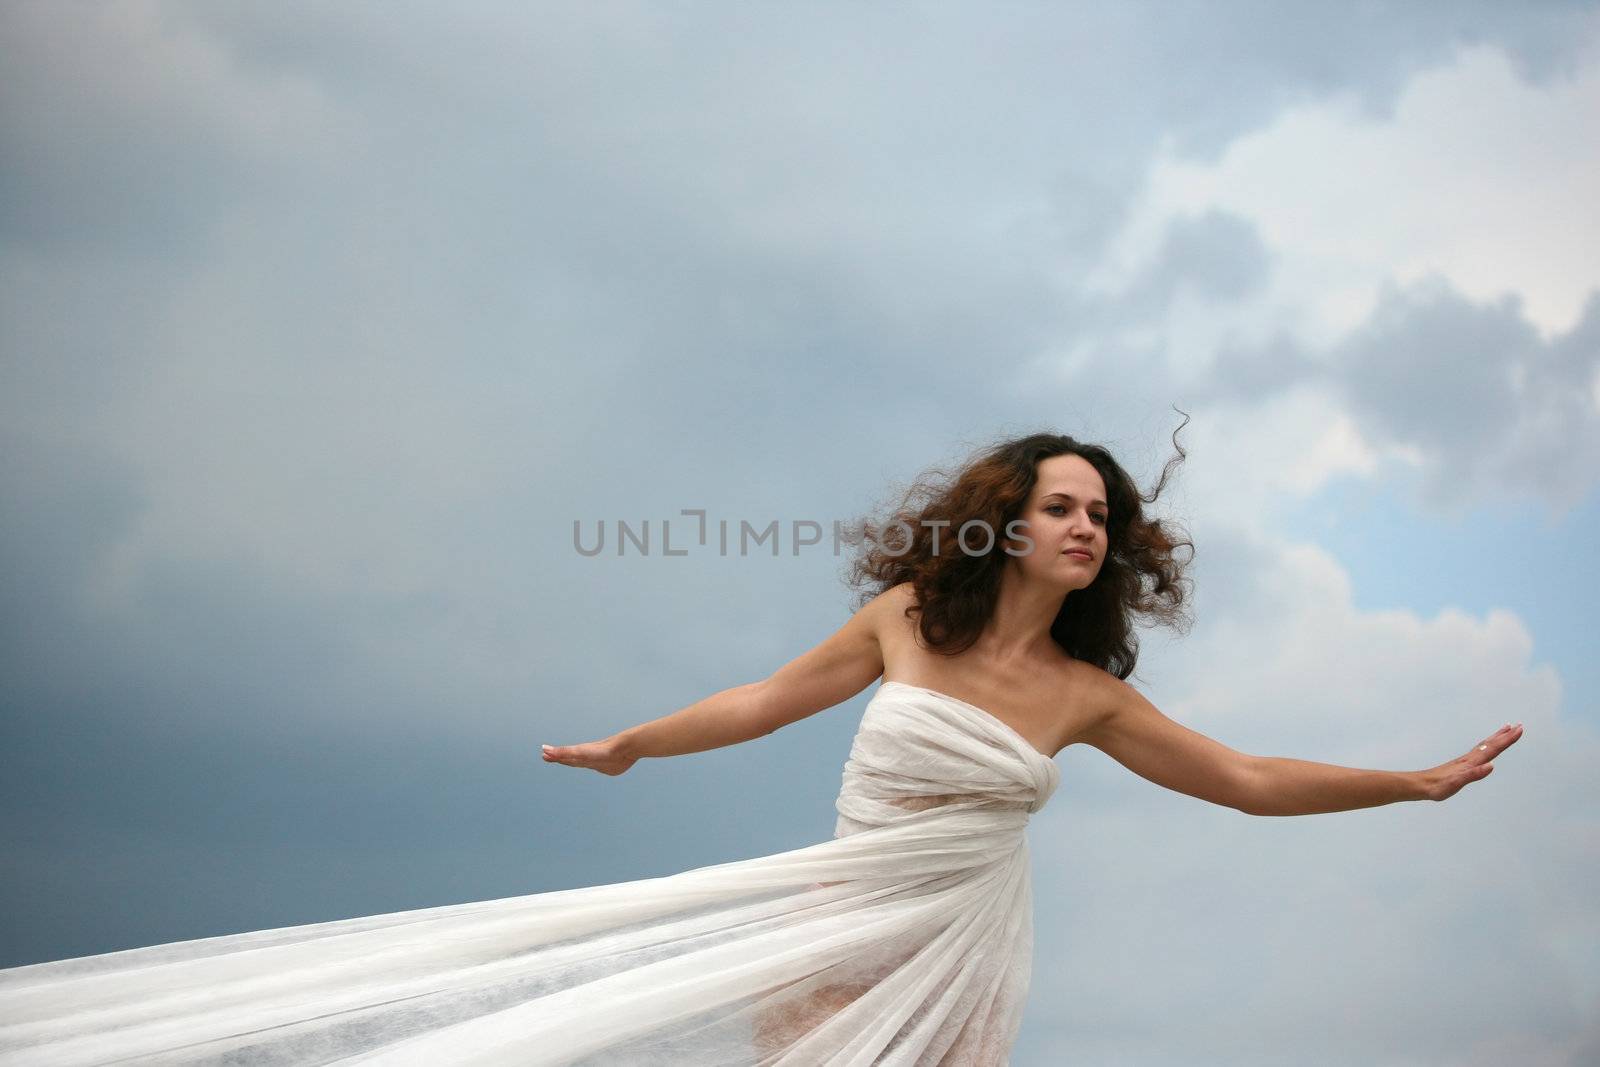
(905, 940)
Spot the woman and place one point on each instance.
(999, 615)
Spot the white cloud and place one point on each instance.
(1247, 460)
(1477, 177)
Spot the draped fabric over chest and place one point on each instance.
(905, 940)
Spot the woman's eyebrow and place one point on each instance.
(1068, 496)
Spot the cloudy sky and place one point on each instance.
(321, 325)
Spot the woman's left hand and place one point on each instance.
(1445, 780)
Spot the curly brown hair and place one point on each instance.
(956, 591)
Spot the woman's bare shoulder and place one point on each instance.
(892, 602)
(886, 613)
(900, 596)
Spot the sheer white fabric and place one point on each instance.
(905, 940)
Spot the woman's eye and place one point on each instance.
(1055, 508)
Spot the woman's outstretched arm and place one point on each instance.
(1299, 787)
(1131, 730)
(832, 672)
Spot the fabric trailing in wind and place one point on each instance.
(905, 940)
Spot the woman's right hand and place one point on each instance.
(602, 756)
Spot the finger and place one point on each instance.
(1496, 742)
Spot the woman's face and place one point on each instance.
(1067, 518)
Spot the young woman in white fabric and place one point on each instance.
(1034, 630)
(904, 941)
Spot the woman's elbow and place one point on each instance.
(1246, 787)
